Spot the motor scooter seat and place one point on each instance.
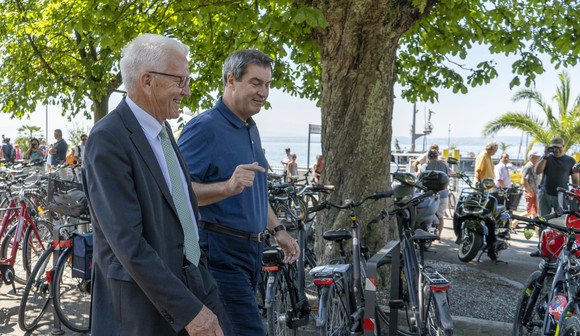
(337, 235)
(423, 235)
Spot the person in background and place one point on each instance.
(287, 158)
(149, 274)
(557, 168)
(17, 152)
(43, 147)
(7, 150)
(435, 164)
(58, 150)
(34, 153)
(484, 166)
(292, 169)
(422, 159)
(530, 183)
(230, 182)
(79, 153)
(501, 172)
(317, 169)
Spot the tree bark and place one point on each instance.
(358, 53)
(101, 107)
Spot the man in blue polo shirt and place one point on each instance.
(223, 150)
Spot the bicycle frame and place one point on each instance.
(24, 220)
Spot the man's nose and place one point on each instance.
(186, 90)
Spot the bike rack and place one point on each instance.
(390, 253)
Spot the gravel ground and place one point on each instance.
(477, 294)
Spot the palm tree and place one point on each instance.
(25, 133)
(503, 146)
(566, 124)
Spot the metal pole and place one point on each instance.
(308, 155)
(413, 129)
(46, 123)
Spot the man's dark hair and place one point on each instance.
(237, 63)
(432, 154)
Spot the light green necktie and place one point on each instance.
(192, 251)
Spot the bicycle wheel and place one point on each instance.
(20, 274)
(536, 316)
(277, 313)
(36, 295)
(572, 326)
(34, 245)
(432, 318)
(336, 311)
(451, 204)
(72, 296)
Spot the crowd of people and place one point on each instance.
(52, 155)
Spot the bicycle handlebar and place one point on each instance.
(566, 191)
(543, 222)
(350, 204)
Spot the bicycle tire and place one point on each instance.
(36, 296)
(432, 318)
(336, 312)
(32, 246)
(451, 204)
(277, 313)
(537, 316)
(571, 326)
(72, 296)
(5, 252)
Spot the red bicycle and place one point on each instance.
(21, 232)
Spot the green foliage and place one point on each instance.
(75, 132)
(565, 124)
(60, 52)
(433, 52)
(25, 134)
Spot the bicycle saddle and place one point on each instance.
(337, 235)
(423, 235)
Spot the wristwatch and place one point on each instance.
(280, 227)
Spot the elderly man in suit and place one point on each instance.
(149, 274)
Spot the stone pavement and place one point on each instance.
(463, 326)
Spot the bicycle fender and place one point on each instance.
(442, 303)
(270, 291)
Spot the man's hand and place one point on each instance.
(288, 245)
(204, 324)
(243, 177)
(51, 150)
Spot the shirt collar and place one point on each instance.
(150, 125)
(231, 117)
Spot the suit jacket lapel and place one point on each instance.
(142, 145)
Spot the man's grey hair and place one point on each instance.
(237, 63)
(58, 131)
(146, 52)
(491, 145)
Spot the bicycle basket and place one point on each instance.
(513, 199)
(66, 198)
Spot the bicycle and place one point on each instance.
(20, 232)
(284, 297)
(53, 280)
(550, 299)
(342, 303)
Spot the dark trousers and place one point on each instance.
(235, 264)
(201, 283)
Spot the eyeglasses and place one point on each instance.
(83, 139)
(183, 80)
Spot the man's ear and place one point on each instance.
(146, 81)
(230, 81)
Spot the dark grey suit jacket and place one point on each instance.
(138, 286)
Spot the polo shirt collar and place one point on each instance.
(231, 117)
(150, 125)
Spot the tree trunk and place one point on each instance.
(358, 52)
(101, 107)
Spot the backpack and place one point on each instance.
(70, 158)
(9, 152)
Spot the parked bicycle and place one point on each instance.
(551, 297)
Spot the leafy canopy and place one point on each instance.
(64, 51)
